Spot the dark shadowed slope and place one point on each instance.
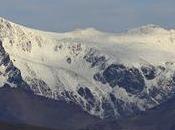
(7, 126)
(159, 118)
(20, 107)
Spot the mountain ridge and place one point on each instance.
(109, 76)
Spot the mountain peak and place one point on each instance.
(148, 29)
(98, 71)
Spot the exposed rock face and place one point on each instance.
(149, 72)
(9, 73)
(130, 79)
(153, 84)
(94, 59)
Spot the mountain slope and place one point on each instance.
(108, 75)
(20, 107)
(8, 126)
(161, 117)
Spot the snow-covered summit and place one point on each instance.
(148, 29)
(109, 75)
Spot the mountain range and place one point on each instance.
(85, 78)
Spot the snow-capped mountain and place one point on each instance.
(108, 75)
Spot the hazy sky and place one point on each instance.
(105, 15)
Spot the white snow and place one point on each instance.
(43, 55)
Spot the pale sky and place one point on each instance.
(104, 15)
